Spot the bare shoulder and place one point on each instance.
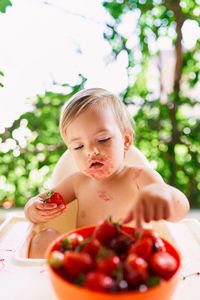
(69, 182)
(79, 179)
(69, 185)
(76, 178)
(144, 175)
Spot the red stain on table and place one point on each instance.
(2, 264)
(43, 270)
(104, 196)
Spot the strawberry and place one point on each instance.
(136, 270)
(108, 264)
(97, 280)
(142, 248)
(158, 244)
(54, 197)
(76, 263)
(71, 241)
(92, 247)
(75, 239)
(105, 231)
(163, 264)
(56, 259)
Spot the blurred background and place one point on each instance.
(145, 51)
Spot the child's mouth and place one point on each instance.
(96, 165)
(99, 168)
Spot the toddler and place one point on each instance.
(97, 129)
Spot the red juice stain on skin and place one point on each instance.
(105, 196)
(104, 171)
(136, 174)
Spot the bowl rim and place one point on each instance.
(84, 289)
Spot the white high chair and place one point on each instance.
(66, 166)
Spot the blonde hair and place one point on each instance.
(99, 98)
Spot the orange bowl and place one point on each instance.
(67, 290)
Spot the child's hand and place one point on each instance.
(154, 202)
(39, 211)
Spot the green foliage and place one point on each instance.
(115, 8)
(4, 4)
(164, 132)
(1, 74)
(31, 147)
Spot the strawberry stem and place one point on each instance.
(49, 195)
(116, 224)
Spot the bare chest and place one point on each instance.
(97, 203)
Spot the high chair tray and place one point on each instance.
(27, 279)
(21, 278)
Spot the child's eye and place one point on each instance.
(104, 140)
(79, 147)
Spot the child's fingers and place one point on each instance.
(160, 212)
(148, 213)
(53, 216)
(51, 212)
(45, 206)
(47, 215)
(139, 217)
(138, 224)
(167, 212)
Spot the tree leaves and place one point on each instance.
(31, 147)
(1, 74)
(4, 4)
(163, 130)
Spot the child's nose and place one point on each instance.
(92, 150)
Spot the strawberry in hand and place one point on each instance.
(54, 197)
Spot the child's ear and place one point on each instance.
(128, 138)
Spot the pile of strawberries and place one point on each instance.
(113, 259)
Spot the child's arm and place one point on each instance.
(156, 200)
(38, 211)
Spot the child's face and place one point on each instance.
(96, 142)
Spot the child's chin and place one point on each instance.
(98, 175)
